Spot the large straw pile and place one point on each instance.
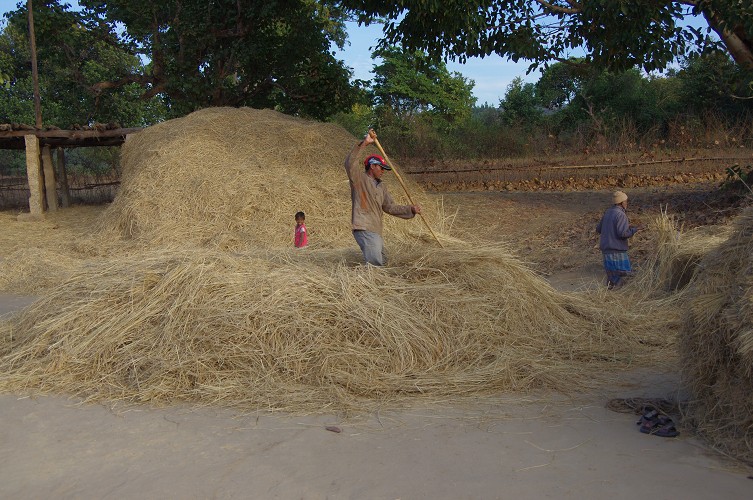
(233, 179)
(717, 343)
(312, 334)
(198, 296)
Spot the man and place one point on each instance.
(369, 197)
(615, 230)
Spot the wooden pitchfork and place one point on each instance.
(381, 150)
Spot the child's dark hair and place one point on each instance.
(300, 215)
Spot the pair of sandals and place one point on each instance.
(654, 423)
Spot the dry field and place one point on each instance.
(186, 289)
(554, 231)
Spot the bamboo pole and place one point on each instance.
(399, 178)
(566, 167)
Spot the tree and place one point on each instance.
(520, 105)
(71, 58)
(611, 99)
(559, 84)
(713, 83)
(608, 100)
(615, 34)
(407, 84)
(255, 53)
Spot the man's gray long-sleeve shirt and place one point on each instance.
(615, 230)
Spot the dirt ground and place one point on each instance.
(540, 446)
(554, 231)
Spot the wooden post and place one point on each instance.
(34, 71)
(50, 186)
(65, 194)
(34, 176)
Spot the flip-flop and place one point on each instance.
(667, 430)
(650, 416)
(655, 423)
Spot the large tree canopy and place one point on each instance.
(198, 53)
(70, 58)
(615, 34)
(260, 53)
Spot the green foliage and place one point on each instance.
(410, 84)
(732, 20)
(573, 107)
(103, 161)
(358, 121)
(12, 162)
(235, 53)
(738, 178)
(616, 34)
(610, 110)
(484, 136)
(486, 116)
(610, 101)
(6, 62)
(714, 83)
(615, 97)
(71, 60)
(520, 105)
(560, 83)
(89, 161)
(138, 61)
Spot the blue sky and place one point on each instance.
(491, 74)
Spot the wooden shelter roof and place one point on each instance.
(12, 136)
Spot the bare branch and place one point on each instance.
(557, 8)
(153, 91)
(143, 80)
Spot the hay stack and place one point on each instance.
(32, 270)
(717, 343)
(678, 252)
(234, 178)
(277, 332)
(168, 314)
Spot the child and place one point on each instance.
(301, 236)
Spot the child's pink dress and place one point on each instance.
(301, 236)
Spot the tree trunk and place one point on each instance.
(738, 43)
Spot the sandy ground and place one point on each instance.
(547, 446)
(501, 447)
